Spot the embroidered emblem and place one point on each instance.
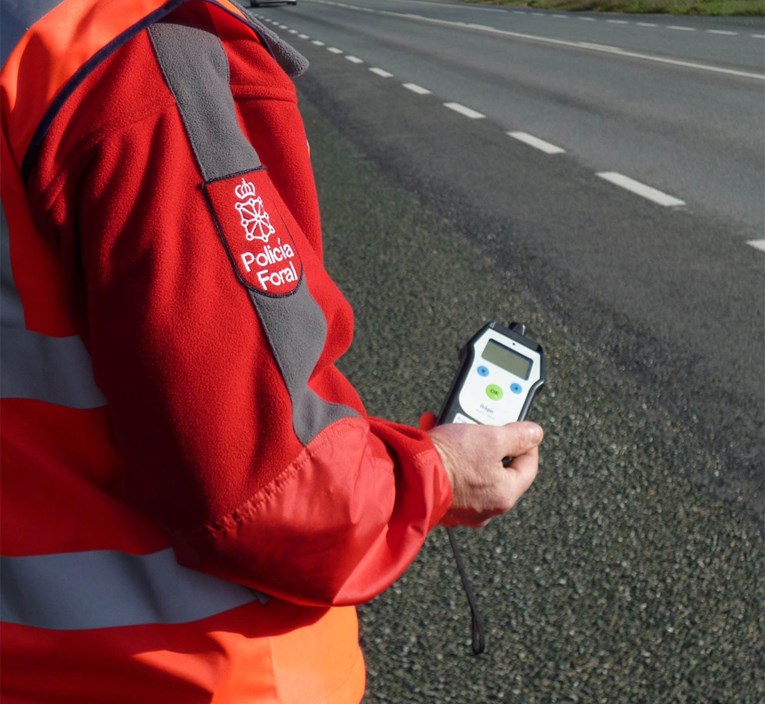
(254, 217)
(262, 250)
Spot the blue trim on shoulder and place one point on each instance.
(84, 71)
(278, 49)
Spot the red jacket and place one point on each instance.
(174, 235)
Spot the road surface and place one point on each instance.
(601, 178)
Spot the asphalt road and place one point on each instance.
(678, 278)
(633, 569)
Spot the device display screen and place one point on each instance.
(507, 359)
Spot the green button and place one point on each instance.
(494, 392)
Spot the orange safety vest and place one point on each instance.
(94, 605)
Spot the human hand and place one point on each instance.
(472, 457)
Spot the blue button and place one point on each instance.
(516, 388)
(482, 371)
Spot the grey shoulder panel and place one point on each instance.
(289, 58)
(195, 67)
(297, 331)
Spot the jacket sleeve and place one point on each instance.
(238, 432)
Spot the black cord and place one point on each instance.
(478, 639)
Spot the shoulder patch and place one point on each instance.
(257, 240)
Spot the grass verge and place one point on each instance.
(750, 8)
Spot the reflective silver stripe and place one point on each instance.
(34, 366)
(17, 17)
(52, 369)
(105, 589)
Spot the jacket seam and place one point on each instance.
(246, 93)
(87, 143)
(354, 665)
(242, 513)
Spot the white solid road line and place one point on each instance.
(579, 45)
(462, 110)
(613, 177)
(641, 189)
(537, 143)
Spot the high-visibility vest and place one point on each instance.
(94, 606)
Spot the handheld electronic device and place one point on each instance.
(500, 372)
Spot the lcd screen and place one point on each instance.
(507, 359)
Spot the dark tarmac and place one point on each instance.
(620, 577)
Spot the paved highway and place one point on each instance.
(602, 178)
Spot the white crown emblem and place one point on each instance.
(254, 218)
(244, 189)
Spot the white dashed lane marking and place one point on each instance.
(416, 89)
(613, 177)
(466, 111)
(641, 189)
(537, 143)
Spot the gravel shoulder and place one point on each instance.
(618, 577)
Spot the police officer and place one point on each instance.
(194, 498)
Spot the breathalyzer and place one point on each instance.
(500, 372)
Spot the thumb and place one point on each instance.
(521, 437)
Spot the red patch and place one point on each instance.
(259, 244)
